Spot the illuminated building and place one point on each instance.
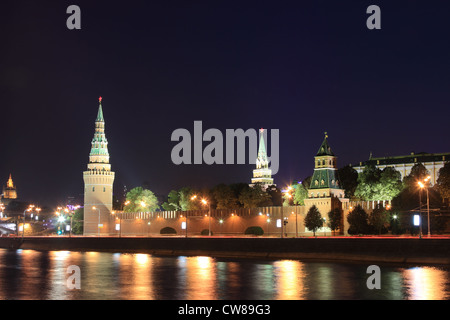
(262, 174)
(9, 191)
(325, 191)
(403, 164)
(98, 182)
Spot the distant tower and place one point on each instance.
(325, 181)
(325, 190)
(9, 191)
(262, 174)
(98, 182)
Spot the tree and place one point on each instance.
(300, 194)
(306, 182)
(253, 197)
(77, 221)
(409, 197)
(397, 222)
(366, 182)
(418, 173)
(173, 201)
(225, 197)
(313, 219)
(348, 177)
(185, 202)
(140, 199)
(390, 184)
(443, 181)
(358, 220)
(335, 219)
(379, 219)
(275, 195)
(375, 184)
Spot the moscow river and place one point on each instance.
(53, 275)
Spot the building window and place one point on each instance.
(93, 189)
(104, 189)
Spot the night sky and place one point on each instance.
(303, 67)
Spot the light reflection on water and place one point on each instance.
(29, 274)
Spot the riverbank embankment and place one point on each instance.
(352, 249)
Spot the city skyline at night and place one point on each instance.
(300, 68)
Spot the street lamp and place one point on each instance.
(423, 185)
(209, 214)
(283, 225)
(98, 226)
(30, 207)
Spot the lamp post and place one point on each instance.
(422, 185)
(288, 196)
(144, 205)
(209, 214)
(23, 224)
(70, 214)
(98, 226)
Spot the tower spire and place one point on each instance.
(325, 149)
(262, 174)
(262, 153)
(98, 182)
(99, 145)
(100, 110)
(10, 183)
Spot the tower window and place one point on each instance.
(104, 189)
(93, 189)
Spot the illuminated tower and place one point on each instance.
(325, 181)
(98, 182)
(325, 190)
(262, 174)
(9, 191)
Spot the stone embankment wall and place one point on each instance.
(367, 250)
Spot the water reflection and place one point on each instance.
(200, 281)
(290, 280)
(28, 274)
(427, 283)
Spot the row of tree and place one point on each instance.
(222, 196)
(372, 184)
(379, 221)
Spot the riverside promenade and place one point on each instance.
(344, 249)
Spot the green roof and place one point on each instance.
(412, 158)
(324, 178)
(325, 149)
(100, 114)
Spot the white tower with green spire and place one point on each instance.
(98, 182)
(262, 174)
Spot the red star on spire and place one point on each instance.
(261, 130)
(100, 99)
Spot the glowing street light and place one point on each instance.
(423, 185)
(205, 202)
(30, 207)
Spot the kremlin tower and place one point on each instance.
(262, 174)
(98, 182)
(9, 191)
(326, 191)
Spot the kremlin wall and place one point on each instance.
(325, 193)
